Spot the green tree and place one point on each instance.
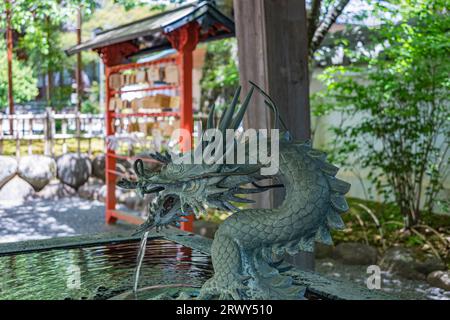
(220, 73)
(395, 107)
(24, 88)
(38, 24)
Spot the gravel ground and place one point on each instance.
(41, 219)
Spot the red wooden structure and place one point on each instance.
(181, 29)
(111, 157)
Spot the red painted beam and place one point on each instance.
(116, 214)
(110, 162)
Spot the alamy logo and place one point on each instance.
(233, 147)
(374, 280)
(230, 147)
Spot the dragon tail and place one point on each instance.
(338, 205)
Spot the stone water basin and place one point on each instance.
(104, 266)
(104, 270)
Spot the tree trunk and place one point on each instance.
(273, 52)
(79, 80)
(9, 46)
(49, 88)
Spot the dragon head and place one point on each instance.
(183, 188)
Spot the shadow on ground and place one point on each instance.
(41, 219)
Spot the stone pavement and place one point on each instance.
(42, 219)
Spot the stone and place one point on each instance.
(91, 189)
(439, 279)
(322, 251)
(134, 202)
(98, 167)
(354, 253)
(74, 170)
(102, 194)
(16, 190)
(37, 170)
(8, 169)
(429, 265)
(401, 261)
(410, 264)
(55, 190)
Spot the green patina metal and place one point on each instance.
(247, 245)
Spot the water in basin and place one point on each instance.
(99, 272)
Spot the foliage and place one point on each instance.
(110, 15)
(60, 97)
(132, 4)
(394, 102)
(24, 83)
(91, 105)
(42, 45)
(38, 24)
(220, 73)
(381, 225)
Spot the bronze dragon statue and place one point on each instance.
(248, 245)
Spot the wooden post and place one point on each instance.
(273, 52)
(90, 136)
(17, 134)
(64, 132)
(30, 145)
(52, 132)
(9, 57)
(185, 40)
(47, 132)
(1, 135)
(78, 128)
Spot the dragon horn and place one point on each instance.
(225, 123)
(271, 104)
(139, 167)
(210, 123)
(240, 114)
(239, 199)
(166, 158)
(127, 184)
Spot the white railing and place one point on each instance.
(50, 127)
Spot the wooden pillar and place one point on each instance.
(252, 66)
(273, 52)
(110, 161)
(185, 40)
